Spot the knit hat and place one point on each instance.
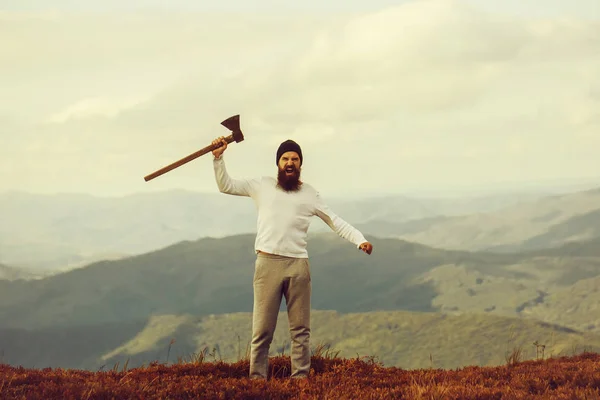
(288, 145)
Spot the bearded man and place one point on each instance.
(285, 206)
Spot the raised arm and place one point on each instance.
(227, 185)
(341, 227)
(236, 187)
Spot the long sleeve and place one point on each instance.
(236, 187)
(337, 224)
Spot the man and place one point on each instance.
(285, 205)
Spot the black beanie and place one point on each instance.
(288, 145)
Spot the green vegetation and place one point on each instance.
(214, 276)
(403, 303)
(403, 339)
(398, 338)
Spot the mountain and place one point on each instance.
(403, 339)
(398, 208)
(214, 276)
(402, 303)
(583, 249)
(577, 228)
(58, 232)
(7, 272)
(12, 273)
(547, 222)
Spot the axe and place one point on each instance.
(231, 123)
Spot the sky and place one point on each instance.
(383, 96)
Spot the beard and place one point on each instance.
(289, 183)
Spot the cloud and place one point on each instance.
(440, 89)
(422, 57)
(21, 16)
(94, 107)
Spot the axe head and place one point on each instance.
(233, 124)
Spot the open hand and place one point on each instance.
(366, 247)
(218, 151)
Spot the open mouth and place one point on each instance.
(290, 170)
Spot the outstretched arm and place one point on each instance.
(341, 227)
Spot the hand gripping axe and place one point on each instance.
(231, 123)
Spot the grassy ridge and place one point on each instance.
(331, 378)
(214, 276)
(192, 280)
(397, 338)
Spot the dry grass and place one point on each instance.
(575, 377)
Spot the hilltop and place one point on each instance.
(331, 377)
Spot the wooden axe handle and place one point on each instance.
(187, 159)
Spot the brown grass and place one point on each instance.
(576, 377)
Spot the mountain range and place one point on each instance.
(93, 281)
(63, 231)
(108, 304)
(546, 222)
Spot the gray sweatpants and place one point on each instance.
(276, 276)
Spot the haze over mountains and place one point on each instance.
(545, 222)
(57, 232)
(13, 273)
(164, 277)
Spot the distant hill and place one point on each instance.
(7, 272)
(577, 306)
(409, 300)
(12, 273)
(584, 248)
(214, 276)
(581, 227)
(403, 339)
(58, 231)
(547, 222)
(69, 230)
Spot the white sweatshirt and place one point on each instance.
(283, 217)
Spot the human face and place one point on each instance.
(288, 175)
(290, 163)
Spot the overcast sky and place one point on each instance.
(383, 96)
